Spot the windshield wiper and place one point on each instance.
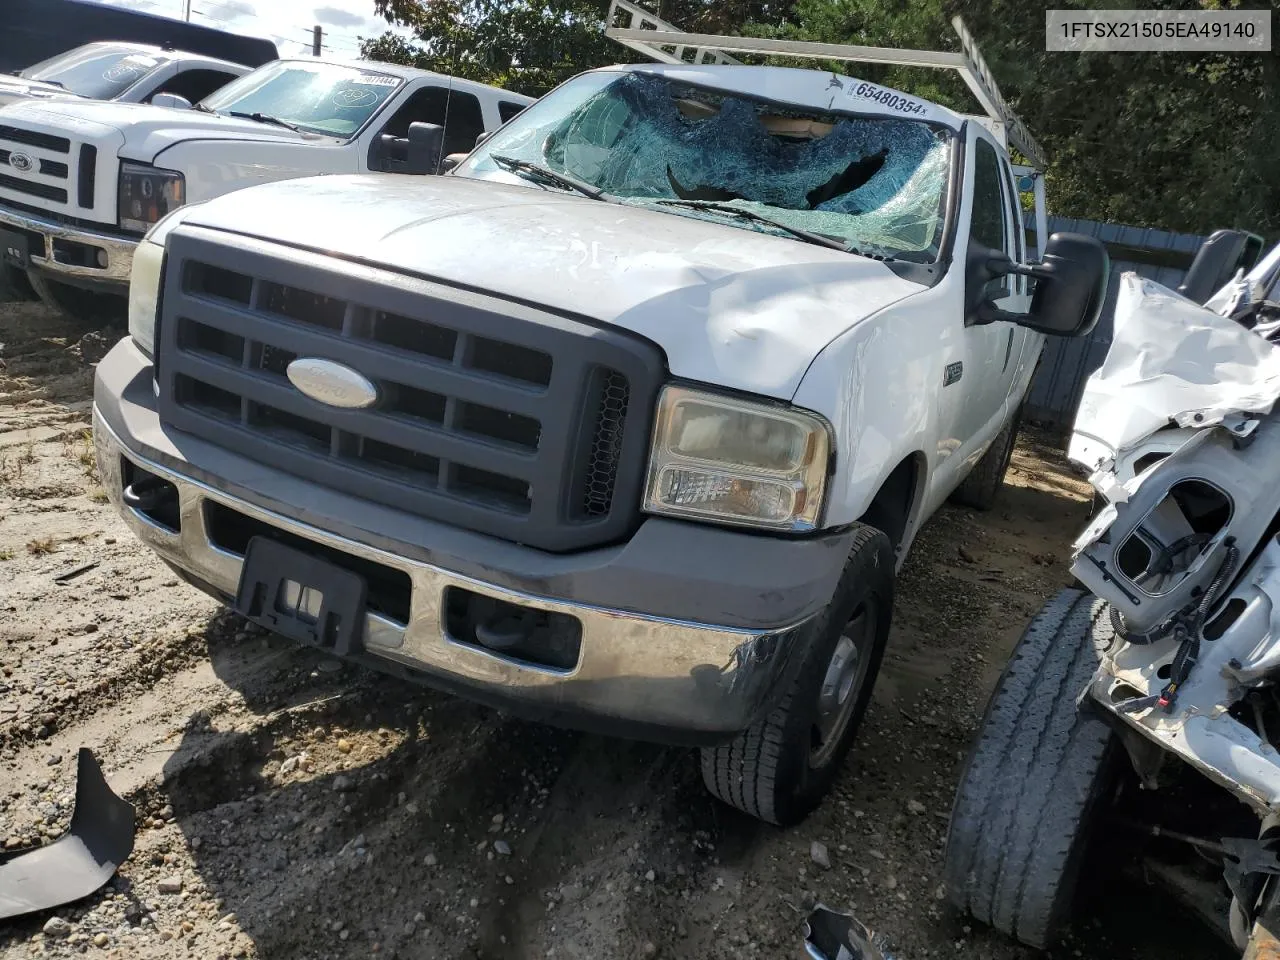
(744, 214)
(540, 174)
(264, 118)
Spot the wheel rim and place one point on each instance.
(839, 693)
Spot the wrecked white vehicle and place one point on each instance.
(1173, 654)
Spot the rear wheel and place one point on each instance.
(1025, 805)
(78, 303)
(780, 768)
(980, 487)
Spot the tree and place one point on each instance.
(1179, 141)
(532, 45)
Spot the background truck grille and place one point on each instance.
(491, 415)
(49, 177)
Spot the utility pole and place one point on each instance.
(186, 14)
(316, 35)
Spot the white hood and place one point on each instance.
(16, 89)
(730, 306)
(148, 130)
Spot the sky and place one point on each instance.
(287, 22)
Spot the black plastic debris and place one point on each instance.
(99, 839)
(838, 936)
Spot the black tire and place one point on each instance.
(1024, 808)
(14, 285)
(78, 303)
(980, 487)
(768, 770)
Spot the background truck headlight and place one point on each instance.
(147, 194)
(734, 461)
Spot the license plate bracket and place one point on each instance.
(15, 248)
(302, 597)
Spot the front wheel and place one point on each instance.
(779, 769)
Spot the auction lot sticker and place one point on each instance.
(1150, 31)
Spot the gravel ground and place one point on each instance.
(291, 806)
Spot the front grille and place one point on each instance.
(491, 415)
(33, 138)
(88, 171)
(47, 176)
(45, 191)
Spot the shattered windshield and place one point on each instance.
(98, 71)
(875, 184)
(322, 98)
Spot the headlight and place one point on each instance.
(146, 194)
(145, 282)
(144, 295)
(719, 458)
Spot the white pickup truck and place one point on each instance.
(122, 72)
(627, 421)
(82, 181)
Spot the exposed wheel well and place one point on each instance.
(891, 508)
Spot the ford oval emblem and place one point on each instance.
(332, 383)
(21, 162)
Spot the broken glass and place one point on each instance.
(877, 184)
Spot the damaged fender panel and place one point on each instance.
(99, 839)
(1170, 360)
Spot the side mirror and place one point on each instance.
(483, 137)
(451, 161)
(426, 142)
(1071, 284)
(1217, 261)
(172, 100)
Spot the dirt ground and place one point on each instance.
(293, 807)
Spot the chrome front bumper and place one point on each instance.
(55, 258)
(666, 678)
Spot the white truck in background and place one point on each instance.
(121, 72)
(628, 420)
(82, 181)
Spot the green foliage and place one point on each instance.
(1180, 141)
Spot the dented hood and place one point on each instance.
(728, 305)
(1170, 360)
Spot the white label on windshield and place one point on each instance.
(890, 99)
(375, 80)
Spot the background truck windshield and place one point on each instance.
(99, 71)
(878, 184)
(319, 97)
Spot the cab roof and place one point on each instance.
(812, 89)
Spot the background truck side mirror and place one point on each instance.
(1217, 261)
(171, 100)
(426, 143)
(1071, 284)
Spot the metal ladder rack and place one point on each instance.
(660, 41)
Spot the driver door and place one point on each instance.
(991, 351)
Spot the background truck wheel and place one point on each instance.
(1025, 804)
(979, 488)
(14, 285)
(779, 768)
(77, 303)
